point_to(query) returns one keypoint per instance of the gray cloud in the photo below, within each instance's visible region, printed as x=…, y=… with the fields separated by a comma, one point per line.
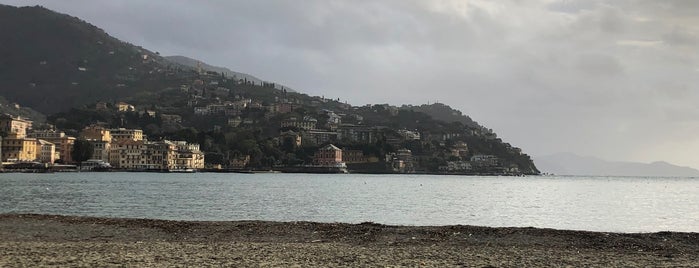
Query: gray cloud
x=616, y=79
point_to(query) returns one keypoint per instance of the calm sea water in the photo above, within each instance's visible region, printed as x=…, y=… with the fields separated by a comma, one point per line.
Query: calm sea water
x=580, y=203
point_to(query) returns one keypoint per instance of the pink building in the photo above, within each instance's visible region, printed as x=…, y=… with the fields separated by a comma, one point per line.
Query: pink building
x=329, y=155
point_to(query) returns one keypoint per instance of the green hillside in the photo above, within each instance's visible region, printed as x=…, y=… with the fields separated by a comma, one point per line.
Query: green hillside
x=76, y=73
x=51, y=61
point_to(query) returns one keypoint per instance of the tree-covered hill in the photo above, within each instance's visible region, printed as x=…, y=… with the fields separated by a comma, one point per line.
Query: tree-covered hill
x=51, y=61
x=196, y=64
x=76, y=73
x=444, y=113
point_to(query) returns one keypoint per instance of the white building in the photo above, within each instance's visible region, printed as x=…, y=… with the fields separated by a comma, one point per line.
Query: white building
x=47, y=152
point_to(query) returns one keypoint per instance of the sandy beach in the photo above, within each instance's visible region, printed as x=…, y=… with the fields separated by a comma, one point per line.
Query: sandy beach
x=63, y=241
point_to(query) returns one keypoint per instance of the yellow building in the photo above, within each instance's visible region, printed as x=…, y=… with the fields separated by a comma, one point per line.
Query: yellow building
x=12, y=125
x=128, y=154
x=64, y=144
x=162, y=155
x=122, y=134
x=189, y=160
x=124, y=107
x=100, y=138
x=96, y=133
x=188, y=156
x=15, y=148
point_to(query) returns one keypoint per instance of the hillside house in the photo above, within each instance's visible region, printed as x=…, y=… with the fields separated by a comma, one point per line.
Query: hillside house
x=124, y=107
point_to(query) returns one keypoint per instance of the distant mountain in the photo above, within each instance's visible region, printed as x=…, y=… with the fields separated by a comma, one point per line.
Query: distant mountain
x=571, y=164
x=52, y=62
x=194, y=64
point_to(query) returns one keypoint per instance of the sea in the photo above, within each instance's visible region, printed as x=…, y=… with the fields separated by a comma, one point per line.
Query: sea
x=607, y=204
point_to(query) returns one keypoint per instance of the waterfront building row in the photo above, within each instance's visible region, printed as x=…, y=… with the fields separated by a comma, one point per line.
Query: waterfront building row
x=122, y=148
x=155, y=155
x=129, y=149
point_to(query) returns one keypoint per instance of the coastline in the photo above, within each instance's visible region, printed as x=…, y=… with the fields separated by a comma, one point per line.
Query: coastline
x=254, y=171
x=51, y=240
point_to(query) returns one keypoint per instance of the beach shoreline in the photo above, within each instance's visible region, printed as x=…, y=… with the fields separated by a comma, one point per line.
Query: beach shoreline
x=52, y=240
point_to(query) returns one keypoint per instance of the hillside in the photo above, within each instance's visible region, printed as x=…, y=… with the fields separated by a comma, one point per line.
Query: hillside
x=52, y=62
x=195, y=64
x=445, y=113
x=571, y=164
x=76, y=73
x=15, y=109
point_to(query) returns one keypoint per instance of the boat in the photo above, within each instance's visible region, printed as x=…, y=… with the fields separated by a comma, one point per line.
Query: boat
x=184, y=170
x=95, y=165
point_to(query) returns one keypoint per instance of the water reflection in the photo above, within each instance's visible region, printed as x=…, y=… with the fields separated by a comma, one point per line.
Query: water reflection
x=583, y=203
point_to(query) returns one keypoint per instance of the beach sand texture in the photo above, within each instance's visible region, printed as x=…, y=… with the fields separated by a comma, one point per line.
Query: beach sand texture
x=64, y=241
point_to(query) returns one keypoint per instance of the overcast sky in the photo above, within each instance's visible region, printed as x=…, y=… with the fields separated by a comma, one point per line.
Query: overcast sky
x=614, y=79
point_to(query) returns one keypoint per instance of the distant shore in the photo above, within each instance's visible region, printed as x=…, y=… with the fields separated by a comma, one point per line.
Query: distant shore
x=46, y=240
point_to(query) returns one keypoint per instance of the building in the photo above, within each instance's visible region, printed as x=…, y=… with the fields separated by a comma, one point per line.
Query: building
x=353, y=156
x=183, y=145
x=460, y=149
x=128, y=154
x=186, y=156
x=122, y=134
x=161, y=155
x=64, y=144
x=12, y=125
x=96, y=133
x=409, y=135
x=187, y=159
x=328, y=155
x=450, y=135
x=100, y=138
x=255, y=105
x=405, y=155
x=333, y=119
x=318, y=137
x=456, y=166
x=100, y=150
x=284, y=107
x=47, y=152
x=124, y=107
x=401, y=161
x=481, y=160
x=148, y=112
x=15, y=148
x=307, y=123
x=357, y=134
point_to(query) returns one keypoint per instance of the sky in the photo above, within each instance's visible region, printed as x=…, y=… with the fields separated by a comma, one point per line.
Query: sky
x=616, y=79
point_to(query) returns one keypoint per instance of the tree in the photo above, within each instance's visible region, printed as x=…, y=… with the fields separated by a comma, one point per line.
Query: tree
x=82, y=150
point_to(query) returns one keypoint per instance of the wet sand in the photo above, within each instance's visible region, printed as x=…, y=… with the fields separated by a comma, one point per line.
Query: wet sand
x=62, y=241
